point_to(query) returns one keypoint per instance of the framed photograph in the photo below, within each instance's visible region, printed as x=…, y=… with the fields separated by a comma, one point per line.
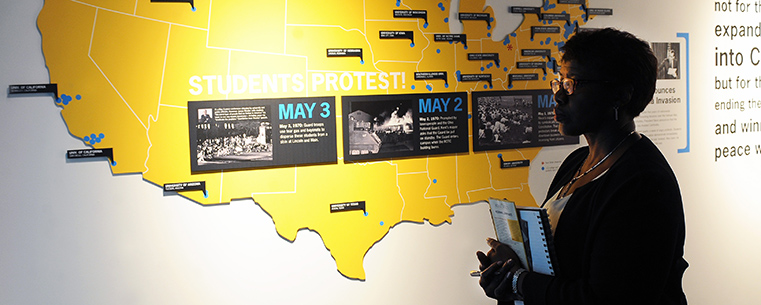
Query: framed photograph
x=669, y=58
x=261, y=133
x=515, y=119
x=390, y=126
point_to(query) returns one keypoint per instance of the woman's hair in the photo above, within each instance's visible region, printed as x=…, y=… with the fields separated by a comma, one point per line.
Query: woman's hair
x=618, y=56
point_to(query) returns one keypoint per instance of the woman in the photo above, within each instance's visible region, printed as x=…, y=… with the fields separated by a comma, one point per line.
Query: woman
x=615, y=207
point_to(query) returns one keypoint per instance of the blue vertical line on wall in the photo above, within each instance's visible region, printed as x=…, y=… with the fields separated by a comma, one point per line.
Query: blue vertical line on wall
x=686, y=37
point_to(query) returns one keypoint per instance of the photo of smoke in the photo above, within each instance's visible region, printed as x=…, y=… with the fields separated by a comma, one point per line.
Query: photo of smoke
x=667, y=54
x=504, y=120
x=381, y=127
x=229, y=135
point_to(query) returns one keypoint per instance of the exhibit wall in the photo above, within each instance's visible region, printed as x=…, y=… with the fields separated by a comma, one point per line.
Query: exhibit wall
x=360, y=163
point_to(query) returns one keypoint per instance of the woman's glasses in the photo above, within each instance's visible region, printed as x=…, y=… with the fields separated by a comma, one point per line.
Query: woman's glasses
x=569, y=84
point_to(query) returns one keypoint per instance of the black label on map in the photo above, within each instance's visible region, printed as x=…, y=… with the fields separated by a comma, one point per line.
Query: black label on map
x=451, y=37
x=484, y=56
x=476, y=78
x=476, y=16
x=600, y=11
x=33, y=89
x=347, y=206
x=411, y=14
x=571, y=1
x=233, y=134
x=536, y=52
x=579, y=29
x=565, y=17
x=176, y=1
x=432, y=75
x=544, y=30
x=513, y=164
x=522, y=77
x=397, y=35
x=515, y=119
x=90, y=153
x=525, y=10
x=185, y=186
x=532, y=65
x=351, y=52
x=392, y=126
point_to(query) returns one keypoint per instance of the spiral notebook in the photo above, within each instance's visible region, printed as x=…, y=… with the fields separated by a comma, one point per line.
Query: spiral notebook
x=537, y=236
x=527, y=231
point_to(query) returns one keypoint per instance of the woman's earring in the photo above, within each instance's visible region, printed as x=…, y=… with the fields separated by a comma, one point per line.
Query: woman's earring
x=615, y=111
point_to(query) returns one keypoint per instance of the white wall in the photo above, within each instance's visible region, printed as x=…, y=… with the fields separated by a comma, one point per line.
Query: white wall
x=72, y=233
x=721, y=202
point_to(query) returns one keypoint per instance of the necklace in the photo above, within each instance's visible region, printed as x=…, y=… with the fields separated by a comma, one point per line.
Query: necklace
x=578, y=176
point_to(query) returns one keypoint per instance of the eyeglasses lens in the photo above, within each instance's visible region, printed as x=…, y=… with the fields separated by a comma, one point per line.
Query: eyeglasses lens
x=567, y=85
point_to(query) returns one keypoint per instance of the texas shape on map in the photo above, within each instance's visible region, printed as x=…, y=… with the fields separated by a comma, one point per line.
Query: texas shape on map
x=125, y=70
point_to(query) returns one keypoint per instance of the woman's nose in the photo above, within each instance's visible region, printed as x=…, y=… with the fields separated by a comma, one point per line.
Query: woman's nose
x=561, y=97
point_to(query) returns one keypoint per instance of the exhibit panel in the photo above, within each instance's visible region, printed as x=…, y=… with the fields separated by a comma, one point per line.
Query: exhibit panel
x=337, y=153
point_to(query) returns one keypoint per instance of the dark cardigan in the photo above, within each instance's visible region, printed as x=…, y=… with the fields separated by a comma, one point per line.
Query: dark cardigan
x=620, y=238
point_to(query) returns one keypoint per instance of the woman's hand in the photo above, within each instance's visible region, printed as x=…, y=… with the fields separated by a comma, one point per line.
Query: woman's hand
x=496, y=276
x=499, y=253
x=497, y=280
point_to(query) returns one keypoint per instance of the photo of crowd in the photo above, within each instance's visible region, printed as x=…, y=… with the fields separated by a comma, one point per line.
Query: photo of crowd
x=233, y=141
x=504, y=120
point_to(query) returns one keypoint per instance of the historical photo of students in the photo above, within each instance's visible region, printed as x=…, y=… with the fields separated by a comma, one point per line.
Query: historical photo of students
x=233, y=135
x=504, y=120
x=667, y=54
x=381, y=127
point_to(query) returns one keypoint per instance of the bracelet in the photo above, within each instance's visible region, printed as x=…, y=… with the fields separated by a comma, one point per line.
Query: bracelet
x=515, y=280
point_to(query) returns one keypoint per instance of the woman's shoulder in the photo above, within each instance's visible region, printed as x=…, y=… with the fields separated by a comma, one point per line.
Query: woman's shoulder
x=645, y=155
x=644, y=163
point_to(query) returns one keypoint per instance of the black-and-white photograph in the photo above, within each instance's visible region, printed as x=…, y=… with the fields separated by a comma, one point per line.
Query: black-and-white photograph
x=258, y=133
x=233, y=135
x=204, y=115
x=381, y=127
x=668, y=57
x=504, y=119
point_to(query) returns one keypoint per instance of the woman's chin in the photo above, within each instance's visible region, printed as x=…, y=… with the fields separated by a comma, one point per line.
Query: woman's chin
x=565, y=130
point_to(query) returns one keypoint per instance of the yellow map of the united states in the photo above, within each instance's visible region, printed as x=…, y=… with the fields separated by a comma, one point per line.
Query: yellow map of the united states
x=127, y=69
